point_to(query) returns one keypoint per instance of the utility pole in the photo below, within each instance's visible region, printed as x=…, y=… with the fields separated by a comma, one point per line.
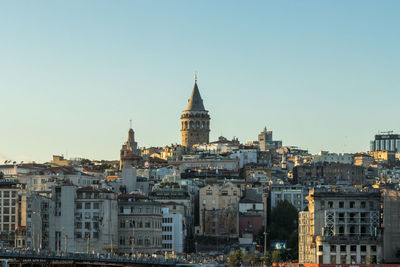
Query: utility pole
x=265, y=223
x=133, y=246
x=88, y=244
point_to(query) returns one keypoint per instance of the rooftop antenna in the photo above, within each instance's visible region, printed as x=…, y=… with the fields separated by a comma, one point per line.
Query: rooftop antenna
x=130, y=124
x=195, y=77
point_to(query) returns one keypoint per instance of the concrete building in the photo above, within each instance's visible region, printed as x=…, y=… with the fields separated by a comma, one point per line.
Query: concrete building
x=172, y=231
x=265, y=141
x=383, y=156
x=251, y=214
x=245, y=156
x=195, y=121
x=325, y=156
x=219, y=210
x=72, y=220
x=140, y=224
x=328, y=173
x=388, y=141
x=342, y=226
x=391, y=223
x=363, y=159
x=295, y=194
x=12, y=214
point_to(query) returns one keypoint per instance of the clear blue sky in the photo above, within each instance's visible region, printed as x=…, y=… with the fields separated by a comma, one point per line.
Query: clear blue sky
x=323, y=75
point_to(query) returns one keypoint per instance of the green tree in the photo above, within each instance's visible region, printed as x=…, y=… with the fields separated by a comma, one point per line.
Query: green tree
x=86, y=162
x=246, y=258
x=235, y=258
x=276, y=256
x=267, y=259
x=283, y=221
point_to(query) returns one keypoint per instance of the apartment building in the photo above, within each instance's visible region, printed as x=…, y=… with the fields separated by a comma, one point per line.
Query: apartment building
x=140, y=224
x=219, y=214
x=172, y=231
x=342, y=226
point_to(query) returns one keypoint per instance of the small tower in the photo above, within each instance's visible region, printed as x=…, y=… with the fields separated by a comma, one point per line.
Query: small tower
x=129, y=154
x=195, y=120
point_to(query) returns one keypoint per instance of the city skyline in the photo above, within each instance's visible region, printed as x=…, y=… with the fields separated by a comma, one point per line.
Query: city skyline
x=74, y=75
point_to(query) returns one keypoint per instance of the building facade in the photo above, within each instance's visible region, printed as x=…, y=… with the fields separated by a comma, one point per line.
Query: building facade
x=342, y=226
x=219, y=214
x=389, y=141
x=172, y=231
x=140, y=224
x=195, y=121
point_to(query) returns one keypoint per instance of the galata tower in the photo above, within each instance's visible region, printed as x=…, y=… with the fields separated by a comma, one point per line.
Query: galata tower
x=195, y=120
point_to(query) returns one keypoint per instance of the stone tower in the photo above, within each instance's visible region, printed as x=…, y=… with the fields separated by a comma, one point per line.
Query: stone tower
x=195, y=120
x=129, y=154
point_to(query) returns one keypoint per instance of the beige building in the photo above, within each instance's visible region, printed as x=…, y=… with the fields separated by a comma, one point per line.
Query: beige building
x=385, y=156
x=363, y=159
x=195, y=121
x=342, y=226
x=219, y=214
x=140, y=224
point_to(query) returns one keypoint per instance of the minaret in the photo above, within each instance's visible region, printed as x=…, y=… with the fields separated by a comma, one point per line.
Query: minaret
x=195, y=120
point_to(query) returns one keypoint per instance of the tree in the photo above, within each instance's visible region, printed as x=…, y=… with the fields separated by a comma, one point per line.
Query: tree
x=267, y=259
x=276, y=256
x=284, y=221
x=235, y=258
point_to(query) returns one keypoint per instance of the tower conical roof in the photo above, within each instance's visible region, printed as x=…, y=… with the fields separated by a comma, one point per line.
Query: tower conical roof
x=195, y=101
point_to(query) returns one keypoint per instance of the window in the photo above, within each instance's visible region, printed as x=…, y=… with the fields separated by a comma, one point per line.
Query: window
x=204, y=202
x=224, y=193
x=333, y=249
x=87, y=225
x=342, y=248
x=363, y=248
x=352, y=204
x=213, y=201
x=96, y=205
x=371, y=205
x=320, y=248
x=87, y=206
x=373, y=248
x=353, y=248
x=209, y=192
x=341, y=205
x=363, y=205
x=78, y=206
x=330, y=205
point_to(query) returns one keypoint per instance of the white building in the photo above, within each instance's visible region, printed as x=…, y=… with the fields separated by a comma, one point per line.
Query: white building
x=72, y=220
x=245, y=156
x=295, y=194
x=325, y=156
x=172, y=231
